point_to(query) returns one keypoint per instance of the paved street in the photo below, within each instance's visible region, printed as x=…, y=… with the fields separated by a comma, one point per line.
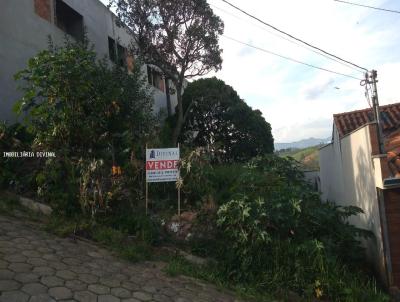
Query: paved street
x=37, y=266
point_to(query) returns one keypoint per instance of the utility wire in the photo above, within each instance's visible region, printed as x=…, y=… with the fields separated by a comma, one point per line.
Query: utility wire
x=291, y=36
x=289, y=40
x=367, y=6
x=290, y=59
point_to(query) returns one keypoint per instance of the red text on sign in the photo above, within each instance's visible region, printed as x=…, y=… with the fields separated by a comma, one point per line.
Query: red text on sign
x=162, y=165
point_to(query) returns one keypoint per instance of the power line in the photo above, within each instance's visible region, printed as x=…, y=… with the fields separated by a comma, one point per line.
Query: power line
x=289, y=40
x=367, y=6
x=290, y=59
x=291, y=36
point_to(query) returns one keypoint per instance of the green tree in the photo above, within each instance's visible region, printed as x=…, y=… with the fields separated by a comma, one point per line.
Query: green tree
x=93, y=116
x=179, y=37
x=218, y=119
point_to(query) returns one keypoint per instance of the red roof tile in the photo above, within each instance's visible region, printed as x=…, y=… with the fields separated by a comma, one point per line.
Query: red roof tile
x=349, y=121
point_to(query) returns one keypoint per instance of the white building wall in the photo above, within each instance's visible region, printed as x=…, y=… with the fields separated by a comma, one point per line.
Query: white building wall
x=348, y=179
x=23, y=34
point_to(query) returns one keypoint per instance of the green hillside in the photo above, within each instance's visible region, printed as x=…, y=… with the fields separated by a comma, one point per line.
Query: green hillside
x=309, y=157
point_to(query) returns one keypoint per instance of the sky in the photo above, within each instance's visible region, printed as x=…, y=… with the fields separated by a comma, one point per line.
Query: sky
x=296, y=100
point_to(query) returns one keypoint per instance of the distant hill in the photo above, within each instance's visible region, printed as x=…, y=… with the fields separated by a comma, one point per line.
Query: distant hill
x=304, y=143
x=308, y=157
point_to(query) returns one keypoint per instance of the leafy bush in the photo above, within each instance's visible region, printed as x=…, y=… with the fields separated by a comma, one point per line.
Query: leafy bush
x=96, y=119
x=276, y=234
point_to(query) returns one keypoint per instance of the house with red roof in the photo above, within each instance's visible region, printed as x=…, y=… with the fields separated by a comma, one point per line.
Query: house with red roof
x=354, y=172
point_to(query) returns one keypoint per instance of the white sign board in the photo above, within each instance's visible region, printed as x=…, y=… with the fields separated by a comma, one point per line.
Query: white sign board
x=162, y=165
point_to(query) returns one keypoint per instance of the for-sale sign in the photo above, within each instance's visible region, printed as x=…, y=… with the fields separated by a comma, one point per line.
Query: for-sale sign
x=162, y=165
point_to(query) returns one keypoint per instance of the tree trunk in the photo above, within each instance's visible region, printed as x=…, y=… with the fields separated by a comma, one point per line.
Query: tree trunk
x=179, y=121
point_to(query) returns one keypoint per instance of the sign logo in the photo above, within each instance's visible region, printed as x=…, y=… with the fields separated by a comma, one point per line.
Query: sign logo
x=152, y=154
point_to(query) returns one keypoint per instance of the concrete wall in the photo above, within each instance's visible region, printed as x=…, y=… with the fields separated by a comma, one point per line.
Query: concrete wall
x=348, y=178
x=23, y=34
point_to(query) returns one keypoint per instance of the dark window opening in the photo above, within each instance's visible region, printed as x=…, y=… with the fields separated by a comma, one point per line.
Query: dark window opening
x=155, y=78
x=111, y=50
x=149, y=75
x=121, y=54
x=69, y=20
x=116, y=52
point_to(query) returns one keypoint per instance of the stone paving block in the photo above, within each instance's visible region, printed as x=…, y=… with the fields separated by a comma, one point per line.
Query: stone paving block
x=31, y=254
x=161, y=298
x=45, y=250
x=3, y=264
x=107, y=298
x=66, y=275
x=150, y=289
x=180, y=299
x=99, y=289
x=76, y=285
x=110, y=282
x=43, y=271
x=88, y=278
x=41, y=298
x=60, y=293
x=120, y=292
x=58, y=265
x=34, y=289
x=20, y=267
x=71, y=261
x=9, y=285
x=37, y=262
x=20, y=240
x=15, y=258
x=8, y=250
x=52, y=281
x=14, y=296
x=6, y=274
x=27, y=277
x=50, y=257
x=85, y=296
x=130, y=285
x=142, y=296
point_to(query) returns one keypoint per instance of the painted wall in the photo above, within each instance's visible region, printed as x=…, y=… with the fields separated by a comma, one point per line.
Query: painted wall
x=348, y=178
x=23, y=34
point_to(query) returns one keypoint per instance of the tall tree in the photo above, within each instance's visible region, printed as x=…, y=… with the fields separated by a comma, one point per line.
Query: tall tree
x=179, y=37
x=217, y=118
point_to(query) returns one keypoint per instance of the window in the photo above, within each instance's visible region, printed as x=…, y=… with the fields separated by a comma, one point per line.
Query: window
x=69, y=20
x=116, y=52
x=155, y=78
x=121, y=54
x=111, y=50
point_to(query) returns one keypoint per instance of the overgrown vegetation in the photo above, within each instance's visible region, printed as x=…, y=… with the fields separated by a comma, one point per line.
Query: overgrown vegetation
x=273, y=234
x=95, y=118
x=263, y=228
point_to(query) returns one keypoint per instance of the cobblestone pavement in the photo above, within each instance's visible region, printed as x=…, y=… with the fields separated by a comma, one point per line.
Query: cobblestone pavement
x=36, y=266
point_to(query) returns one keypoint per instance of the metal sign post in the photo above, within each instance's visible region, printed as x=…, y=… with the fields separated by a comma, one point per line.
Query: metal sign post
x=179, y=194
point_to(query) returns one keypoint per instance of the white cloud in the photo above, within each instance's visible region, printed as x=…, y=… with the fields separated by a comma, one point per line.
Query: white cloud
x=297, y=101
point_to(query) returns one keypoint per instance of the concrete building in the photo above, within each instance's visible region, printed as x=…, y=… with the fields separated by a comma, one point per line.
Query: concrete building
x=352, y=172
x=25, y=26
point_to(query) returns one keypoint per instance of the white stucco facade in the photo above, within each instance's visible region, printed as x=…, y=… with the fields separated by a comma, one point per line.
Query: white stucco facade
x=24, y=33
x=348, y=176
